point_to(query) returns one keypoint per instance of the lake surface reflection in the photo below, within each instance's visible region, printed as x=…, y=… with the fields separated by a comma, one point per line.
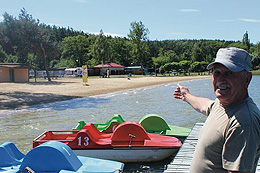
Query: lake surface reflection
x=22, y=126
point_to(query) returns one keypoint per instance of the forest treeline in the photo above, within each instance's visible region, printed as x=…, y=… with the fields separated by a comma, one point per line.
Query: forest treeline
x=26, y=40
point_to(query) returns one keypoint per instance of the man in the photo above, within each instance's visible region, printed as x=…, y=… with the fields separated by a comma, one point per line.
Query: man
x=230, y=138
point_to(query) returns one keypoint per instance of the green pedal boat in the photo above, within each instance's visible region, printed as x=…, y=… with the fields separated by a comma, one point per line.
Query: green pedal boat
x=152, y=123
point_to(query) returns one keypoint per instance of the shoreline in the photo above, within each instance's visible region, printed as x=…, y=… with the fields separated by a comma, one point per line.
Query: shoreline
x=23, y=95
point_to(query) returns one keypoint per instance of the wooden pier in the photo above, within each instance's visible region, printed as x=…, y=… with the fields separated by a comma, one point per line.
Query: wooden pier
x=182, y=161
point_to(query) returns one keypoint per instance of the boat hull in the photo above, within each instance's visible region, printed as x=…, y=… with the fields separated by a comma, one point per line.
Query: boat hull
x=129, y=155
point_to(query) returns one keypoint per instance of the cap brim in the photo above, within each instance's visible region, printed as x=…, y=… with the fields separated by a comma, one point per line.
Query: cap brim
x=210, y=66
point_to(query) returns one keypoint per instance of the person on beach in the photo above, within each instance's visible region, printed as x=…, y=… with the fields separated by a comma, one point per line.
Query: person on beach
x=108, y=73
x=230, y=138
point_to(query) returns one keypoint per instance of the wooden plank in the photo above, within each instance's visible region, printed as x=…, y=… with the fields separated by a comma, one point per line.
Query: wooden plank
x=182, y=161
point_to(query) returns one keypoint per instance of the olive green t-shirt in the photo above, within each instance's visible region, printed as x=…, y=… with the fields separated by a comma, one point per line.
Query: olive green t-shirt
x=229, y=140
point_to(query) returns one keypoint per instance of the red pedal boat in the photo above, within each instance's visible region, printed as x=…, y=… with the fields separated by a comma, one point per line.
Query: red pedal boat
x=128, y=143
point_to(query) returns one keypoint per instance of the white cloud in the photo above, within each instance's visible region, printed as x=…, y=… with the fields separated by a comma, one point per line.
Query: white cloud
x=188, y=10
x=249, y=20
x=1, y=18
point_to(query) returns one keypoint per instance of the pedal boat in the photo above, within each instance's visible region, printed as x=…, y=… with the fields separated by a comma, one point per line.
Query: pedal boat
x=128, y=143
x=52, y=157
x=152, y=123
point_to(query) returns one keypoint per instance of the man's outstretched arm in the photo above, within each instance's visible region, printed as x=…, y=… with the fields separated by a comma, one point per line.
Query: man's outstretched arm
x=200, y=104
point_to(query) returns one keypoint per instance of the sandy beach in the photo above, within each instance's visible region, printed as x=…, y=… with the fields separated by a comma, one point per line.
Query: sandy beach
x=22, y=95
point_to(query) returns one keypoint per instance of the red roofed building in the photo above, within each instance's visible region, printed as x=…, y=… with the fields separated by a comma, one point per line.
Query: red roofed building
x=114, y=69
x=110, y=65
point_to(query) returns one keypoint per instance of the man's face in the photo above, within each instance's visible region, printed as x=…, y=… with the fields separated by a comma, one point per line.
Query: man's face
x=229, y=87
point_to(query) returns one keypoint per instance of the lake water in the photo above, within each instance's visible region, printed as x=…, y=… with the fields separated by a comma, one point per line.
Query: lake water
x=22, y=126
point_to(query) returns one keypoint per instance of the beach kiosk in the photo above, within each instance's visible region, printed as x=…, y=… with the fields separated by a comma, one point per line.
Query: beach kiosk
x=14, y=72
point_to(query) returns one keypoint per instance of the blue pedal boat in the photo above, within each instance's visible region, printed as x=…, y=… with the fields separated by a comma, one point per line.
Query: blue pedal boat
x=52, y=157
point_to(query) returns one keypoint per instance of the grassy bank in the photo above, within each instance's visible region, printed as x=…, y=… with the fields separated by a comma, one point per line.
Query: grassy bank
x=256, y=72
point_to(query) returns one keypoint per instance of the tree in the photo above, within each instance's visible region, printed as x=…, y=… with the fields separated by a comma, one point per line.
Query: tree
x=25, y=36
x=172, y=56
x=35, y=37
x=162, y=70
x=160, y=61
x=11, y=38
x=100, y=48
x=198, y=66
x=139, y=35
x=196, y=53
x=32, y=60
x=257, y=49
x=76, y=48
x=186, y=55
x=65, y=62
x=120, y=51
x=168, y=67
x=255, y=61
x=246, y=41
x=238, y=45
x=184, y=65
x=3, y=54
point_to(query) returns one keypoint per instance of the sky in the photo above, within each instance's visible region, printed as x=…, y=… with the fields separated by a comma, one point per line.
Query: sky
x=225, y=20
